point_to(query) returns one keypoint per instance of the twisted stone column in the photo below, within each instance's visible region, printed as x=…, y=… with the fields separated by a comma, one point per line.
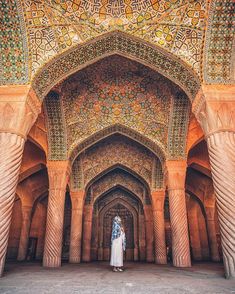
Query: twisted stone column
x=24, y=235
x=210, y=216
x=176, y=171
x=214, y=107
x=86, y=251
x=58, y=172
x=19, y=109
x=11, y=150
x=158, y=198
x=77, y=199
x=221, y=147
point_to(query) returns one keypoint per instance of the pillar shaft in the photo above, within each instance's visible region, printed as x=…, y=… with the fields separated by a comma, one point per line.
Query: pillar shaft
x=77, y=199
x=18, y=111
x=158, y=198
x=11, y=150
x=58, y=172
x=210, y=215
x=86, y=251
x=214, y=108
x=194, y=230
x=24, y=235
x=149, y=232
x=176, y=171
x=221, y=147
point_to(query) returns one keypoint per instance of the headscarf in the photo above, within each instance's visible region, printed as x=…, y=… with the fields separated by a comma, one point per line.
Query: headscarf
x=116, y=229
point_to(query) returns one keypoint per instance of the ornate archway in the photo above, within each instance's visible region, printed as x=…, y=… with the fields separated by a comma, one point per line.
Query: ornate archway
x=121, y=43
x=130, y=209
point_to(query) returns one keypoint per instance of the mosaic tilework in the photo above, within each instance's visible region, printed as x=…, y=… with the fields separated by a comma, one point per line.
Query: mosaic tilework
x=157, y=175
x=55, y=125
x=77, y=175
x=80, y=56
x=220, y=38
x=178, y=26
x=116, y=95
x=13, y=47
x=116, y=90
x=114, y=151
x=178, y=128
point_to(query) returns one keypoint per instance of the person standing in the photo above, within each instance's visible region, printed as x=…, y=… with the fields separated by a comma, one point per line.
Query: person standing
x=118, y=245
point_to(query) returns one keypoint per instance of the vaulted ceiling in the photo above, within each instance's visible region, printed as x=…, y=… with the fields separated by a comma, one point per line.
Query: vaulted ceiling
x=199, y=32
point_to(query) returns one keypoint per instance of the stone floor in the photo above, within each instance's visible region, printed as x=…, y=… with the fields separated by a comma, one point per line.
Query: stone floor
x=203, y=278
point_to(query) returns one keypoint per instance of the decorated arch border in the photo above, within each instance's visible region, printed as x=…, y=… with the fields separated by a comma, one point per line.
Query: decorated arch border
x=111, y=189
x=157, y=149
x=108, y=44
x=219, y=53
x=121, y=167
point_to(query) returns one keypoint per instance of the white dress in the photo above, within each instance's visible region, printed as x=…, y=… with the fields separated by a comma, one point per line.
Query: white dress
x=117, y=251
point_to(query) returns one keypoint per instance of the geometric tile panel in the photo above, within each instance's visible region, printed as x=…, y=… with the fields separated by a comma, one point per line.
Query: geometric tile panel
x=219, y=67
x=13, y=44
x=178, y=127
x=116, y=42
x=57, y=146
x=157, y=175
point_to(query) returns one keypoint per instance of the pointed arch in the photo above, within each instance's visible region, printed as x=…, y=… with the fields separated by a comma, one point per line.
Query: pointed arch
x=116, y=42
x=154, y=147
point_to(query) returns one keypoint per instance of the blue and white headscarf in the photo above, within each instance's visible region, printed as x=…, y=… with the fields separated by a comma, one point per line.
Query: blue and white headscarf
x=116, y=229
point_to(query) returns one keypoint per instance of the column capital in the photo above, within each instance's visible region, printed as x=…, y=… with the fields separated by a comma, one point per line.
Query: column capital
x=158, y=198
x=210, y=213
x=77, y=194
x=58, y=173
x=19, y=109
x=176, y=173
x=214, y=108
x=77, y=198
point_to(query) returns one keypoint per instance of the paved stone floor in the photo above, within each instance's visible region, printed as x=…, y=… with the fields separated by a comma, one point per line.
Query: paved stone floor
x=203, y=278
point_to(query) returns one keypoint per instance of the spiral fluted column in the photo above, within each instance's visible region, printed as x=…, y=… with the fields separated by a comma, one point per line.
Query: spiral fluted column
x=158, y=198
x=24, y=235
x=19, y=108
x=87, y=228
x=221, y=147
x=176, y=171
x=58, y=172
x=77, y=199
x=11, y=150
x=214, y=107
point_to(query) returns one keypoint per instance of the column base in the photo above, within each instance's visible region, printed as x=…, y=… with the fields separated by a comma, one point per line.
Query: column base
x=181, y=262
x=52, y=262
x=161, y=260
x=74, y=260
x=2, y=264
